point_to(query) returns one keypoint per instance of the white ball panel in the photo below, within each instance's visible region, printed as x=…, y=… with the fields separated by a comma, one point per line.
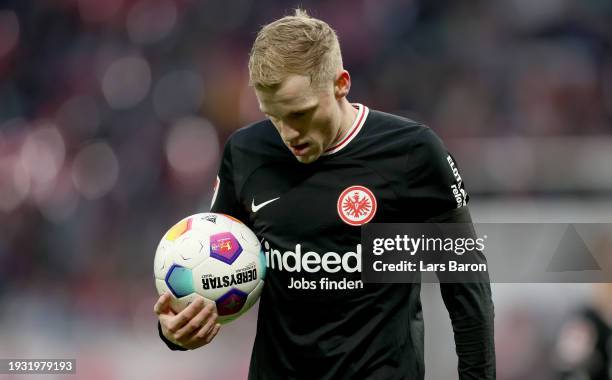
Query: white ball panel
x=178, y=304
x=245, y=262
x=162, y=258
x=191, y=249
x=222, y=223
x=206, y=220
x=246, y=237
x=219, y=276
x=161, y=286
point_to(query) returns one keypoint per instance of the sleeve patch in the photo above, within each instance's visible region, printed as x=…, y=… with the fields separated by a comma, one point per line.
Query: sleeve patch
x=457, y=188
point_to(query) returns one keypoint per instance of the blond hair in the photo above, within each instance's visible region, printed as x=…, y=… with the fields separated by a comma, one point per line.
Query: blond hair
x=297, y=44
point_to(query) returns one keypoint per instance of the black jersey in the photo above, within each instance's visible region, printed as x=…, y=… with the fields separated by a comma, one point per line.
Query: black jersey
x=317, y=319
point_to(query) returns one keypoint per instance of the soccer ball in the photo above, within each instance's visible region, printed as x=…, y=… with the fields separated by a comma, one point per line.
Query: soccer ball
x=213, y=256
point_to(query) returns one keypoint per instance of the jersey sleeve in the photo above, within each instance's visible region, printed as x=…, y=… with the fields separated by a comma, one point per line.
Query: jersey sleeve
x=432, y=184
x=470, y=308
x=225, y=197
x=437, y=193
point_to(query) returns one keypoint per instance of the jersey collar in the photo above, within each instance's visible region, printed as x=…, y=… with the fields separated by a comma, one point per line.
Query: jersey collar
x=362, y=114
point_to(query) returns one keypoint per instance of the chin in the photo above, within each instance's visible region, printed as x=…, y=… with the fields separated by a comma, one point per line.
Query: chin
x=307, y=159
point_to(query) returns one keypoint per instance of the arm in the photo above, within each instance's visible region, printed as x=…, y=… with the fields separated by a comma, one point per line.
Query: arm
x=470, y=308
x=434, y=180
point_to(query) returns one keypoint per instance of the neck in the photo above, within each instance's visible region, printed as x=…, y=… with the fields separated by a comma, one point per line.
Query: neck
x=348, y=113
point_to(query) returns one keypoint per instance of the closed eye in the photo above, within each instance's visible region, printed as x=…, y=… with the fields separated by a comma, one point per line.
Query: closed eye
x=296, y=115
x=301, y=113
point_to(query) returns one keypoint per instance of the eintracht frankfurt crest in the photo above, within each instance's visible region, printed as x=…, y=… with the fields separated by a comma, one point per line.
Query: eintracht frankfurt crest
x=356, y=205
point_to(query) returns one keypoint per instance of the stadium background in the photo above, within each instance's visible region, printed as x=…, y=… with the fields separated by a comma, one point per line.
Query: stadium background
x=113, y=114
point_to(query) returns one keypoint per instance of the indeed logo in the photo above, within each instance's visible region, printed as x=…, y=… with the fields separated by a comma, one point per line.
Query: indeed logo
x=312, y=262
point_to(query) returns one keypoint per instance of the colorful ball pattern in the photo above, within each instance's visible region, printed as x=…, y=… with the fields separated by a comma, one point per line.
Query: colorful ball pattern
x=213, y=256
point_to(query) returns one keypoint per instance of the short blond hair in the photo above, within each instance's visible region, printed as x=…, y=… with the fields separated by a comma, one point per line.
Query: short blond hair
x=297, y=44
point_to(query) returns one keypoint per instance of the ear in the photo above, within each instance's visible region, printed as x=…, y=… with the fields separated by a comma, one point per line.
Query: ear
x=342, y=84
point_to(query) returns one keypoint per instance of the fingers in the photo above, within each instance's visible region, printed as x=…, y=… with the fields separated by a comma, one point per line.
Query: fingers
x=181, y=319
x=162, y=304
x=206, y=329
x=213, y=334
x=208, y=325
x=193, y=327
x=206, y=334
x=205, y=318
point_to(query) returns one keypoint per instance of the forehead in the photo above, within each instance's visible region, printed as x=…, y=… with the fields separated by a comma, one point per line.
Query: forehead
x=295, y=92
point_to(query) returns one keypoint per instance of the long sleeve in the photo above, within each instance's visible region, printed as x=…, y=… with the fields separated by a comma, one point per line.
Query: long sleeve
x=471, y=310
x=435, y=192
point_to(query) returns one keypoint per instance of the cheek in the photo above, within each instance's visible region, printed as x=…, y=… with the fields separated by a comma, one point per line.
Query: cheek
x=321, y=128
x=315, y=131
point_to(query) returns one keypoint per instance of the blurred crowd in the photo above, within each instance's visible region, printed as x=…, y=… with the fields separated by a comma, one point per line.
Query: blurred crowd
x=113, y=114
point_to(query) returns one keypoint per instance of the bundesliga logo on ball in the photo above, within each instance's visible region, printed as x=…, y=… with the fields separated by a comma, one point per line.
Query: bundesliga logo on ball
x=213, y=256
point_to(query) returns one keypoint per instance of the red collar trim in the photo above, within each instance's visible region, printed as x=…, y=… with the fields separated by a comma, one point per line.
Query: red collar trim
x=362, y=114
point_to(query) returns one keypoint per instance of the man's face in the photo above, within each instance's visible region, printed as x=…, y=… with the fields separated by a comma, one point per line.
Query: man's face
x=306, y=118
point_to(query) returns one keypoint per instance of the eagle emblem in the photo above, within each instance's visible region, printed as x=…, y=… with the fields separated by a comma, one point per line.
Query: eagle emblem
x=356, y=205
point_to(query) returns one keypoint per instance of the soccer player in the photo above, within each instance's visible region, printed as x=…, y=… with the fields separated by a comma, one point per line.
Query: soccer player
x=305, y=180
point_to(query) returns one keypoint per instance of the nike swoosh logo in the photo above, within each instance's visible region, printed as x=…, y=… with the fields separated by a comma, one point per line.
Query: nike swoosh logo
x=256, y=208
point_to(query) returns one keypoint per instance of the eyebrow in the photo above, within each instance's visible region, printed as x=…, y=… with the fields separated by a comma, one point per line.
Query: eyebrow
x=299, y=110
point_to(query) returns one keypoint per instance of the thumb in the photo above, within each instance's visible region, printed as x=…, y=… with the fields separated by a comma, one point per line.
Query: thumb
x=162, y=306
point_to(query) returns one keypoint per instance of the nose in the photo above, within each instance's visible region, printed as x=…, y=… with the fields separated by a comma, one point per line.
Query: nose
x=288, y=133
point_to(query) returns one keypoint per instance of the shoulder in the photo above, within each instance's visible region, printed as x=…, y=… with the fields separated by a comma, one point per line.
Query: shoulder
x=401, y=135
x=261, y=132
x=416, y=149
x=259, y=139
x=252, y=147
x=382, y=122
